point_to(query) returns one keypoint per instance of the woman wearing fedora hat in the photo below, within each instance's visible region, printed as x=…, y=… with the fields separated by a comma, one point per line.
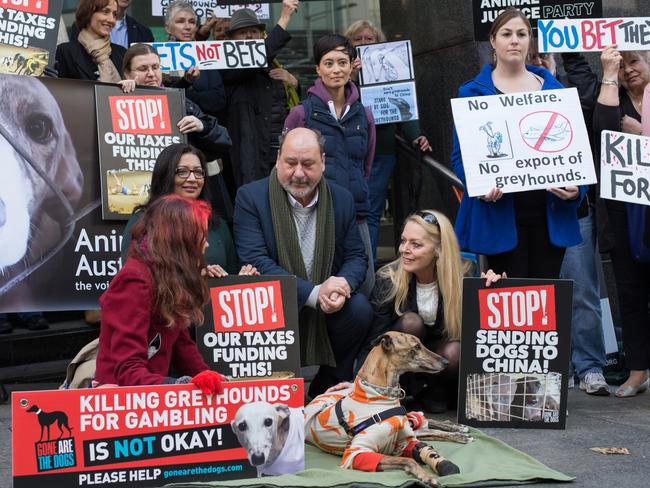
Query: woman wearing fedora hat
x=255, y=119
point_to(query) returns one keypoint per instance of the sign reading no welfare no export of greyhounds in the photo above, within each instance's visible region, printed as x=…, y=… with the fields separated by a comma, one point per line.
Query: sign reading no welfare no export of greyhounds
x=528, y=141
x=568, y=35
x=625, y=167
x=181, y=56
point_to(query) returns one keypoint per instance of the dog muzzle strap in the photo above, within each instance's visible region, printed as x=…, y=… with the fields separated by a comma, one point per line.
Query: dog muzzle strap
x=372, y=420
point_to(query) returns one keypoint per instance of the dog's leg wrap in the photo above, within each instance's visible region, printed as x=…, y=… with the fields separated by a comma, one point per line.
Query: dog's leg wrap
x=428, y=455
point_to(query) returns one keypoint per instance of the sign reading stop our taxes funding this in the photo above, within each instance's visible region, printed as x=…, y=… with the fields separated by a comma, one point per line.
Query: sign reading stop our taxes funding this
x=575, y=35
x=181, y=56
x=625, y=167
x=523, y=141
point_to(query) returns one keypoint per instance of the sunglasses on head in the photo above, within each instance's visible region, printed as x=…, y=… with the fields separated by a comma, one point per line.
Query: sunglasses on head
x=428, y=217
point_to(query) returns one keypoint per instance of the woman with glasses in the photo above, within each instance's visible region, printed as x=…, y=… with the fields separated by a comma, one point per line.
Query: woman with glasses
x=419, y=293
x=155, y=297
x=523, y=233
x=181, y=169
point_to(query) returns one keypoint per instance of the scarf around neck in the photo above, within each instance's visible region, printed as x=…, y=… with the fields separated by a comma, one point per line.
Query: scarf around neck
x=315, y=347
x=100, y=51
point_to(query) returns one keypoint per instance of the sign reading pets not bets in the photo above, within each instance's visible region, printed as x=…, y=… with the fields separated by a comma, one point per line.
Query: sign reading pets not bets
x=132, y=130
x=575, y=35
x=485, y=11
x=28, y=35
x=144, y=435
x=181, y=56
x=523, y=141
x=515, y=348
x=251, y=326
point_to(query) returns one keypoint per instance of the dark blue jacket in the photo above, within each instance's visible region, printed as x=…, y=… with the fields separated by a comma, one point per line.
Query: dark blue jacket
x=349, y=142
x=489, y=227
x=256, y=242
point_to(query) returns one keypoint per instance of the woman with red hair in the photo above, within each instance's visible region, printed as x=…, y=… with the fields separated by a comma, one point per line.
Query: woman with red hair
x=152, y=301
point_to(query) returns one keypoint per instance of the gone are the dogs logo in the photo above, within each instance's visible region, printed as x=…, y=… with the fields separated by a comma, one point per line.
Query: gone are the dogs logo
x=525, y=308
x=32, y=6
x=52, y=453
x=140, y=114
x=251, y=306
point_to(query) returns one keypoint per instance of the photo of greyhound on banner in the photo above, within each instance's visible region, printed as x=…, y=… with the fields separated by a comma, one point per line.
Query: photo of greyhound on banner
x=57, y=253
x=133, y=129
x=515, y=347
x=251, y=327
x=154, y=435
x=28, y=35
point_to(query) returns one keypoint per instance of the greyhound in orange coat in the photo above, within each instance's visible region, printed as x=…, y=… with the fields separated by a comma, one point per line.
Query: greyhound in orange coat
x=366, y=424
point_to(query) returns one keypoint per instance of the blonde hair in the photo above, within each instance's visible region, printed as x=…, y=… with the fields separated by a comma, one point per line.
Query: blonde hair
x=359, y=25
x=448, y=271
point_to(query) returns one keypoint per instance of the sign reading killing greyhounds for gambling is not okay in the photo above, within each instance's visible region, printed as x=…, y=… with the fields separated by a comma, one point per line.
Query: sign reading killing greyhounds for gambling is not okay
x=568, y=35
x=523, y=141
x=515, y=345
x=155, y=435
x=251, y=327
x=625, y=167
x=181, y=56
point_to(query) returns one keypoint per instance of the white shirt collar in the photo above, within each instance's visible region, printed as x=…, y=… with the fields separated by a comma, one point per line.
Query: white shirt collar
x=296, y=204
x=330, y=104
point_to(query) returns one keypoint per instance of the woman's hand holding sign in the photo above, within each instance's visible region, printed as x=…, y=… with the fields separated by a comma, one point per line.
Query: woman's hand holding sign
x=566, y=193
x=492, y=196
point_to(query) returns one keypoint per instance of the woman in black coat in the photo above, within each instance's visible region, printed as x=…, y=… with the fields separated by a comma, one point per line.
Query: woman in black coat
x=92, y=56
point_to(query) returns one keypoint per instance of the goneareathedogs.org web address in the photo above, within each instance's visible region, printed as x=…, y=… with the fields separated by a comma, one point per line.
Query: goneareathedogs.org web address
x=201, y=470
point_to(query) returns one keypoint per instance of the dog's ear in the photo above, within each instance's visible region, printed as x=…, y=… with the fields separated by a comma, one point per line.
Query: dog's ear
x=283, y=416
x=385, y=340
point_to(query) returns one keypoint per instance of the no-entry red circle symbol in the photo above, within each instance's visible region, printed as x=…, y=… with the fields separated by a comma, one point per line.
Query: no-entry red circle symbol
x=546, y=131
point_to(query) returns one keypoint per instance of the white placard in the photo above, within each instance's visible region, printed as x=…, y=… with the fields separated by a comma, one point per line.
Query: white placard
x=625, y=167
x=386, y=62
x=211, y=8
x=391, y=103
x=181, y=56
x=568, y=35
x=523, y=141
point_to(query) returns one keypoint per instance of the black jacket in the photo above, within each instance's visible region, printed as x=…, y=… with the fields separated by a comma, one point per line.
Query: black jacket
x=73, y=61
x=251, y=109
x=135, y=31
x=214, y=141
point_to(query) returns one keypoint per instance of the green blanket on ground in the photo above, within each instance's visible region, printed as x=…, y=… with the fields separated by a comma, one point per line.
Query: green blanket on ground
x=485, y=462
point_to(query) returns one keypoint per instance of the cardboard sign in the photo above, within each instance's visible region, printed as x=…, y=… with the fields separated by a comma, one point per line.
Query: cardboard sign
x=387, y=81
x=523, y=141
x=28, y=35
x=212, y=8
x=251, y=327
x=181, y=56
x=60, y=254
x=571, y=35
x=132, y=129
x=485, y=11
x=515, y=345
x=625, y=167
x=152, y=435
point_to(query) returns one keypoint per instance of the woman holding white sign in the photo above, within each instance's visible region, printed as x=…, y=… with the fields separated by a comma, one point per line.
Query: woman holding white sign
x=524, y=233
x=618, y=108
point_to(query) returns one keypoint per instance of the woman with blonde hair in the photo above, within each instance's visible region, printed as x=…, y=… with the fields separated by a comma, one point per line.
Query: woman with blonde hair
x=420, y=293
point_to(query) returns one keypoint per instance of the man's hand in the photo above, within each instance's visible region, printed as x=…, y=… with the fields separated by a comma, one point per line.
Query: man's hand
x=335, y=284
x=332, y=303
x=190, y=123
x=192, y=74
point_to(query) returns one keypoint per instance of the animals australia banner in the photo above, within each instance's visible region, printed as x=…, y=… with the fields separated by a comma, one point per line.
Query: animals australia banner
x=56, y=251
x=387, y=80
x=156, y=435
x=523, y=141
x=515, y=346
x=251, y=327
x=28, y=35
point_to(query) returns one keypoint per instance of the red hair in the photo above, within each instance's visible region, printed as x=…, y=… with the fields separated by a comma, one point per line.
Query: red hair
x=171, y=235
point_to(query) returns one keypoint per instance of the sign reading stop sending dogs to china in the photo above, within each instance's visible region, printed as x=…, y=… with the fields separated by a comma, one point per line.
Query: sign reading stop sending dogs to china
x=523, y=141
x=251, y=327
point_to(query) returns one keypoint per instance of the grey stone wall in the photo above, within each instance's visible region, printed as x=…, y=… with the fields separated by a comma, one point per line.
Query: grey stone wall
x=446, y=55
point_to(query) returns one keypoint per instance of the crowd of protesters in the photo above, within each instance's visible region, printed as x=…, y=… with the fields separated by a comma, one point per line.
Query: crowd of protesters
x=310, y=177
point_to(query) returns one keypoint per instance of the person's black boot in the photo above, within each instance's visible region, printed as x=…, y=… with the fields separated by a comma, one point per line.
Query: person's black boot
x=6, y=327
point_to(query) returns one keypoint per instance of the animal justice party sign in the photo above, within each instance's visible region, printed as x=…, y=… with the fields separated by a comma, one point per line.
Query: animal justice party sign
x=515, y=347
x=251, y=327
x=523, y=141
x=155, y=435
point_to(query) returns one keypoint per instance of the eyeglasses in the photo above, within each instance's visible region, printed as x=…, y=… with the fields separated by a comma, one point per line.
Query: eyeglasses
x=145, y=69
x=184, y=173
x=428, y=217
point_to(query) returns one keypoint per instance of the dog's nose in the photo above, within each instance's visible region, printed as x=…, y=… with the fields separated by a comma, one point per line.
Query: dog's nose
x=3, y=213
x=444, y=362
x=257, y=459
